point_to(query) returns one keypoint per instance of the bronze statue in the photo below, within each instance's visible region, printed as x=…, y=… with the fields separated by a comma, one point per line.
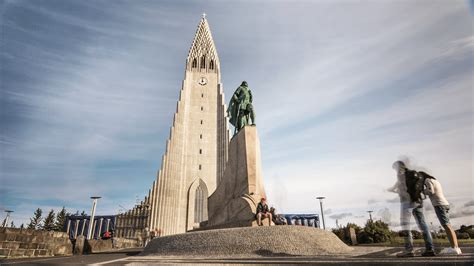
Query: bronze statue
x=240, y=109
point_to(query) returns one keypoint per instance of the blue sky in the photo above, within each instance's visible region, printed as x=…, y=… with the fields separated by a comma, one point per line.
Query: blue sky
x=341, y=90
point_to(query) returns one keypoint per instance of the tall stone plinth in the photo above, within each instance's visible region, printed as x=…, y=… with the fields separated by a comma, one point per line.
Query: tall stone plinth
x=235, y=200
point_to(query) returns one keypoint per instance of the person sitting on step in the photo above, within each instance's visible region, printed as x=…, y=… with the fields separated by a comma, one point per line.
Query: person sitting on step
x=263, y=211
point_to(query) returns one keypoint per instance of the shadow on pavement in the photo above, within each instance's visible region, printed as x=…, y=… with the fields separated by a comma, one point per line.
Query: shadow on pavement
x=269, y=253
x=126, y=252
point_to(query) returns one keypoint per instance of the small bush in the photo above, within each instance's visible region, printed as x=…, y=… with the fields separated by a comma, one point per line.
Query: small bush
x=463, y=235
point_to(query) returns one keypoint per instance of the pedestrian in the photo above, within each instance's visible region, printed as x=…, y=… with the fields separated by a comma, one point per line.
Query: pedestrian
x=410, y=204
x=434, y=190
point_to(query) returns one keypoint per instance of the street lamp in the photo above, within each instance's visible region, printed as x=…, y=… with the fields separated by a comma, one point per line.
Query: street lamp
x=91, y=220
x=7, y=218
x=370, y=215
x=322, y=212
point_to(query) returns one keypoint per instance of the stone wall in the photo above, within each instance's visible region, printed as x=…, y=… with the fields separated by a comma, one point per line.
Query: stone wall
x=15, y=242
x=95, y=246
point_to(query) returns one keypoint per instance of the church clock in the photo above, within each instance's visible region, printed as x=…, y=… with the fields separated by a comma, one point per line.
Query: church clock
x=202, y=81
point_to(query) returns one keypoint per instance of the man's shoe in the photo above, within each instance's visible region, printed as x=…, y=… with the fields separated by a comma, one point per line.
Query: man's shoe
x=406, y=254
x=428, y=253
x=449, y=251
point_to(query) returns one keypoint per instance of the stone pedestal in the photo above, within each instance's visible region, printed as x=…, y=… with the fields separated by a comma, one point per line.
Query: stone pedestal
x=235, y=200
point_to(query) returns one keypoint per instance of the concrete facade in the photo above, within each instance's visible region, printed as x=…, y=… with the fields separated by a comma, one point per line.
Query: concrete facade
x=132, y=223
x=196, y=151
x=235, y=200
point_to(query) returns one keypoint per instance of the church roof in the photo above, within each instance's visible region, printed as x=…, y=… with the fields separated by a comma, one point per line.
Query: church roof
x=203, y=44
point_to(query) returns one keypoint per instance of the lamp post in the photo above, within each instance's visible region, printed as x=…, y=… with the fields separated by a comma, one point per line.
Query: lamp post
x=370, y=215
x=91, y=220
x=322, y=212
x=7, y=218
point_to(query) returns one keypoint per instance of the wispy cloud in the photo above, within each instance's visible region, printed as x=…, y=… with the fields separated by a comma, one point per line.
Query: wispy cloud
x=340, y=215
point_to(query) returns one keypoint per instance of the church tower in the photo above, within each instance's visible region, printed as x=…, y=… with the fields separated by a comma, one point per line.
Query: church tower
x=196, y=151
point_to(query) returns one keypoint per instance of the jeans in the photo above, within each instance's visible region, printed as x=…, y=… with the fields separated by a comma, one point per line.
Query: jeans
x=417, y=212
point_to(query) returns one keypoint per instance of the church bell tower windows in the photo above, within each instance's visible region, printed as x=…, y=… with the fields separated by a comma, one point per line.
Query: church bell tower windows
x=211, y=64
x=203, y=62
x=194, y=64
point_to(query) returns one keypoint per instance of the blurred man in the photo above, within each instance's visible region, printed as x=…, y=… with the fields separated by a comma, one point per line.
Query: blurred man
x=410, y=205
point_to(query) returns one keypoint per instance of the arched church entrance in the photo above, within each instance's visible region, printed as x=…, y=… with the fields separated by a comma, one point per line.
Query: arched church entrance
x=197, y=204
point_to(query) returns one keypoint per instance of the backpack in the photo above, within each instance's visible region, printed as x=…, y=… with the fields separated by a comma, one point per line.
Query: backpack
x=414, y=185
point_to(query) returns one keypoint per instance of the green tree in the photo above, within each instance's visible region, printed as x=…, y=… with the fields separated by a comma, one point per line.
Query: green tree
x=466, y=229
x=22, y=226
x=60, y=219
x=12, y=225
x=375, y=232
x=83, y=213
x=35, y=221
x=49, y=221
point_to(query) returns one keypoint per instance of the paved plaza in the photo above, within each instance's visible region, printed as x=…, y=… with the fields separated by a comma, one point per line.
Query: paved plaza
x=362, y=256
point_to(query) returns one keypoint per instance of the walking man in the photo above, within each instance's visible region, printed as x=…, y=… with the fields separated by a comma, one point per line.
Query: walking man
x=410, y=205
x=434, y=191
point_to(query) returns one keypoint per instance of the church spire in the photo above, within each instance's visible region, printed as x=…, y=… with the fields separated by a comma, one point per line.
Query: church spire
x=203, y=54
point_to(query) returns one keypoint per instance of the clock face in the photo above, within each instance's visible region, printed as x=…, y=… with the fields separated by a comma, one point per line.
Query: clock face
x=202, y=81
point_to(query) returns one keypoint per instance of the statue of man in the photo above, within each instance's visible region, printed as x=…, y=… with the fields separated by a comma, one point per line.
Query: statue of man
x=240, y=109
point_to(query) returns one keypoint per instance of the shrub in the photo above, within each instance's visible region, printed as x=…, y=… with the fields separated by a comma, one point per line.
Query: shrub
x=463, y=235
x=378, y=231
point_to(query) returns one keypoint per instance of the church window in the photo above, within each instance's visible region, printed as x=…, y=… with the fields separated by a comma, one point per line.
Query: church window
x=200, y=167
x=200, y=151
x=203, y=62
x=211, y=64
x=202, y=95
x=200, y=136
x=202, y=108
x=194, y=65
x=201, y=122
x=200, y=203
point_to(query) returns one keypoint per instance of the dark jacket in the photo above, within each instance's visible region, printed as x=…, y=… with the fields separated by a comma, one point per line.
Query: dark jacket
x=262, y=208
